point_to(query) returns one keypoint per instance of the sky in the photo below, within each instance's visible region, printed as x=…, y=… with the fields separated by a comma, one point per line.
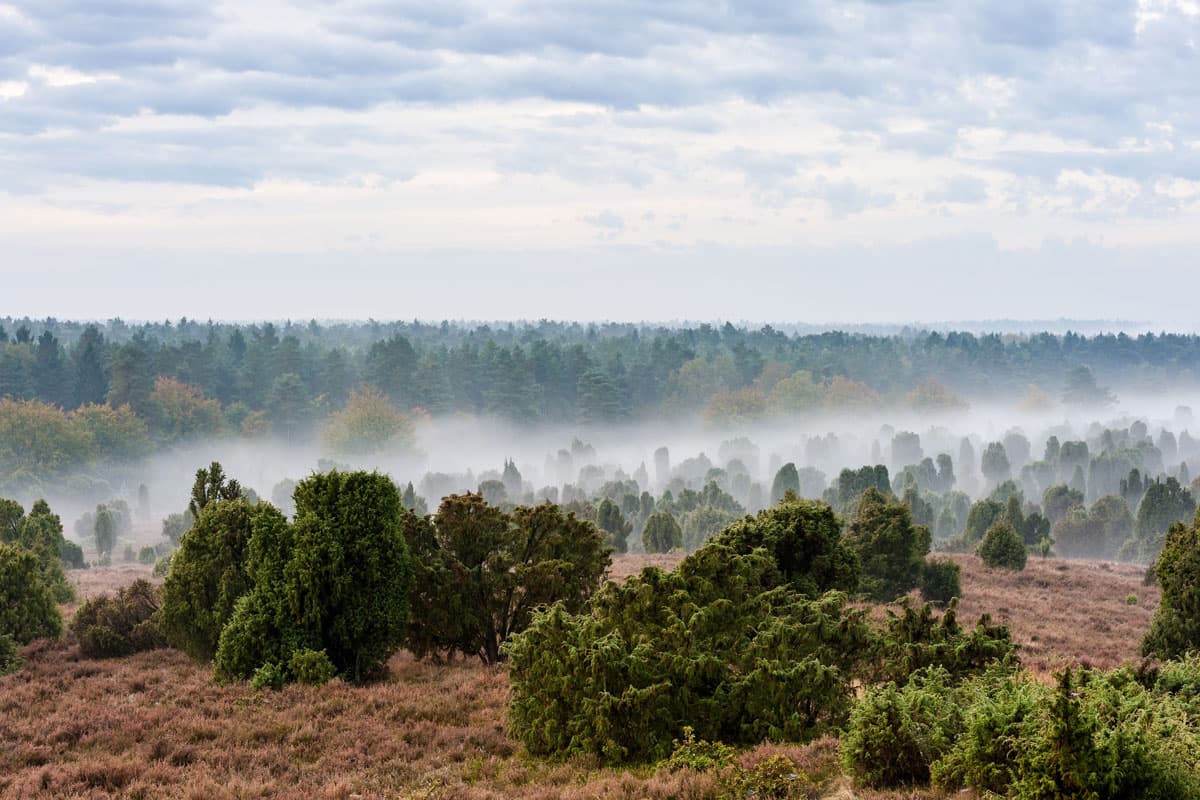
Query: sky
x=831, y=160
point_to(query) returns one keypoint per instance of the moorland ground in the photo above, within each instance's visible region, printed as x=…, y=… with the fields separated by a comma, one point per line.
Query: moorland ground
x=156, y=725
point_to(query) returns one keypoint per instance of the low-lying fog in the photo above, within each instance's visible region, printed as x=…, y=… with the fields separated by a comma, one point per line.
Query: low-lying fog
x=456, y=454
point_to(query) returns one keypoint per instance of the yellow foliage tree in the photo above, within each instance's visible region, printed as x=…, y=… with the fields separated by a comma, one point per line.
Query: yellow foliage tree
x=367, y=424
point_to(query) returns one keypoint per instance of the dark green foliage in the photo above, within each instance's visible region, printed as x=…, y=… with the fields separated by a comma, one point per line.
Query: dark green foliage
x=1176, y=626
x=72, y=555
x=896, y=733
x=27, y=607
x=208, y=574
x=804, y=538
x=335, y=580
x=852, y=483
x=147, y=556
x=311, y=667
x=10, y=655
x=717, y=644
x=479, y=573
x=40, y=533
x=610, y=520
x=982, y=516
x=661, y=533
x=1002, y=547
x=940, y=580
x=891, y=550
x=914, y=639
x=110, y=626
x=211, y=485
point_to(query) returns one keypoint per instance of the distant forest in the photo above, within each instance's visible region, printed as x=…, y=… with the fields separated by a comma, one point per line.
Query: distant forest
x=292, y=375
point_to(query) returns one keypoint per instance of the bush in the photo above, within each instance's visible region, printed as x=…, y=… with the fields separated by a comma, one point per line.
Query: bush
x=1002, y=547
x=914, y=639
x=940, y=580
x=804, y=539
x=147, y=555
x=478, y=572
x=208, y=574
x=896, y=733
x=1001, y=716
x=661, y=533
x=335, y=581
x=72, y=555
x=10, y=655
x=27, y=606
x=891, y=550
x=110, y=626
x=268, y=676
x=311, y=667
x=721, y=644
x=1175, y=629
x=774, y=778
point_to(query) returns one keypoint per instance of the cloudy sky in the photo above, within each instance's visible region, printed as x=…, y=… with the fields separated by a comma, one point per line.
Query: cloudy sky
x=757, y=160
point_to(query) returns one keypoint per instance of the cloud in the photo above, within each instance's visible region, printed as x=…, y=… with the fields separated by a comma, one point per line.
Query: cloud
x=825, y=120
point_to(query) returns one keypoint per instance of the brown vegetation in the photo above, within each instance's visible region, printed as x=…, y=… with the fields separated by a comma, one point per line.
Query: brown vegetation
x=156, y=725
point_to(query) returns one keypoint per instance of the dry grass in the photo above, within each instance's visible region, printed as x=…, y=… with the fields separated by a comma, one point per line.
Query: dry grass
x=155, y=725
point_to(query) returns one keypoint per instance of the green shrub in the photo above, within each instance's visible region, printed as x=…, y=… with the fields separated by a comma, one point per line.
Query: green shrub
x=700, y=756
x=336, y=580
x=109, y=626
x=941, y=580
x=27, y=605
x=71, y=555
x=1002, y=547
x=162, y=567
x=774, y=778
x=1001, y=716
x=10, y=655
x=130, y=555
x=661, y=533
x=717, y=644
x=804, y=539
x=914, y=639
x=208, y=574
x=311, y=667
x=896, y=733
x=268, y=676
x=147, y=555
x=1175, y=629
x=891, y=549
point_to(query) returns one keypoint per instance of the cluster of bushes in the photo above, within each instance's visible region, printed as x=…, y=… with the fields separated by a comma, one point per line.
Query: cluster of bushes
x=356, y=574
x=256, y=593
x=750, y=638
x=1094, y=735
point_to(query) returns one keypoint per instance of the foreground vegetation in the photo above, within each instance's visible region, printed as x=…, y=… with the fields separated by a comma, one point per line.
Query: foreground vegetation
x=782, y=627
x=155, y=724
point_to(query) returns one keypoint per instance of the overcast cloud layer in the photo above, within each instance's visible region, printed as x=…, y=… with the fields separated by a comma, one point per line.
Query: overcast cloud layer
x=574, y=158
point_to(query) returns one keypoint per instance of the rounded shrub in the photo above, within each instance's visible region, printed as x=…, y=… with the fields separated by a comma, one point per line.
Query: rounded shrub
x=27, y=607
x=941, y=580
x=1002, y=547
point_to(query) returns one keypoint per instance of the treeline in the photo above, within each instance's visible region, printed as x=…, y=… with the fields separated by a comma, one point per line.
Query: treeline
x=293, y=374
